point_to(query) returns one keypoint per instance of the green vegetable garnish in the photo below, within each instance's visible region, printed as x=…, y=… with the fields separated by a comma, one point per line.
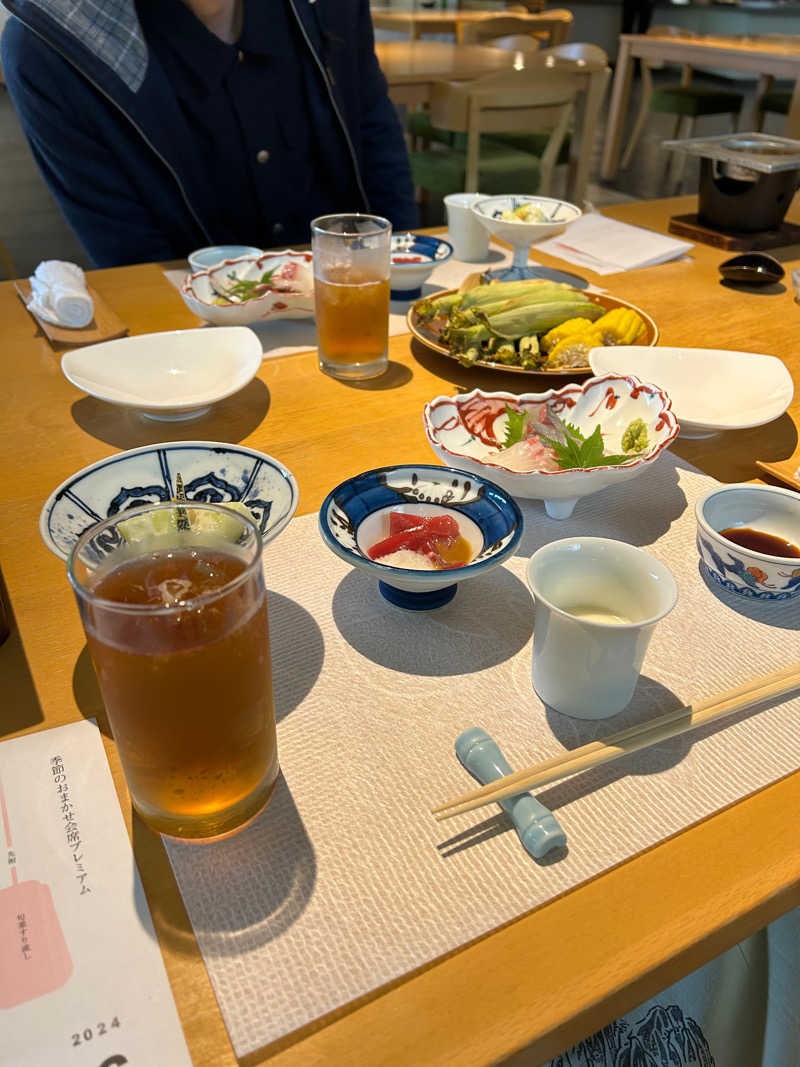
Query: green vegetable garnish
x=578, y=451
x=247, y=288
x=515, y=427
x=635, y=437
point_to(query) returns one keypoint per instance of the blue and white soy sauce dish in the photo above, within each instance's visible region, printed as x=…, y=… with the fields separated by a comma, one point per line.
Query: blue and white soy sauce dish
x=413, y=258
x=740, y=568
x=354, y=516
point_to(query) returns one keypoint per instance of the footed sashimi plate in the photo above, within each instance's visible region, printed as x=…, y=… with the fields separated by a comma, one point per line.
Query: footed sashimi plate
x=468, y=431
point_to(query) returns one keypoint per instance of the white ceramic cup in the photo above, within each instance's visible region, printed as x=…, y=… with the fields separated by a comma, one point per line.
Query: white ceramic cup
x=470, y=239
x=597, y=604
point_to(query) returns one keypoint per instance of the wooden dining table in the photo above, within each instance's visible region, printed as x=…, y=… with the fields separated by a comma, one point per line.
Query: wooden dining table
x=775, y=56
x=423, y=23
x=528, y=990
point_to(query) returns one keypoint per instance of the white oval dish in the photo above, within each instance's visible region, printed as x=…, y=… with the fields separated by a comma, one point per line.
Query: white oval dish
x=711, y=389
x=167, y=376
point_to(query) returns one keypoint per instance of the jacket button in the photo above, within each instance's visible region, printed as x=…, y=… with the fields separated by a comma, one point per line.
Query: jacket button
x=240, y=56
x=262, y=156
x=277, y=229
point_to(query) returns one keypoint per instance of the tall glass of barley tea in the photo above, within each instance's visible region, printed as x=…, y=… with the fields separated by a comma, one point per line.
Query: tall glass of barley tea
x=351, y=294
x=173, y=603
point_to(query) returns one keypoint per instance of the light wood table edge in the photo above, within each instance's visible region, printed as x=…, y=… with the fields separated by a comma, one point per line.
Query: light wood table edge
x=493, y=1006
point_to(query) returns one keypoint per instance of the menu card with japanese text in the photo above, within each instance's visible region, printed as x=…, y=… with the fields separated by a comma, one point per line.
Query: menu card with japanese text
x=82, y=980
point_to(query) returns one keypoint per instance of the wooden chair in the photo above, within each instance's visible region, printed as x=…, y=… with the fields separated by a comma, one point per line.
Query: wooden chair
x=505, y=102
x=549, y=28
x=686, y=101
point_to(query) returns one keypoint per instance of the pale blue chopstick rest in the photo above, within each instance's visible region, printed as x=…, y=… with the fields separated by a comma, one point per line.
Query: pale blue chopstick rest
x=537, y=827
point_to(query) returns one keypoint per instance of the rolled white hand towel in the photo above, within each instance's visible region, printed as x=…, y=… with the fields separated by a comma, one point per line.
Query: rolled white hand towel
x=59, y=294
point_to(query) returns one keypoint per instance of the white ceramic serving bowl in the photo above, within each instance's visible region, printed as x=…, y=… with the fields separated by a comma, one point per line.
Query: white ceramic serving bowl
x=710, y=389
x=741, y=570
x=211, y=255
x=200, y=297
x=354, y=517
x=167, y=376
x=455, y=426
x=413, y=258
x=597, y=604
x=560, y=213
x=212, y=472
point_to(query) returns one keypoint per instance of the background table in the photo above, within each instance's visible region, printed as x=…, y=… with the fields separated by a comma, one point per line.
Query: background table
x=571, y=966
x=419, y=23
x=759, y=55
x=412, y=68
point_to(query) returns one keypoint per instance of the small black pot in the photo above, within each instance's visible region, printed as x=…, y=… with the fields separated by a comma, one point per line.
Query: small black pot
x=742, y=200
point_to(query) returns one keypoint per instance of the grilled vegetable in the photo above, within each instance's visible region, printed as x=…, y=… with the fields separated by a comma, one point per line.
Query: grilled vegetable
x=565, y=329
x=574, y=349
x=536, y=318
x=532, y=290
x=621, y=326
x=534, y=324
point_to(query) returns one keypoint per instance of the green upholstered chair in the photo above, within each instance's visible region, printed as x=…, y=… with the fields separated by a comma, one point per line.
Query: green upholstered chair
x=775, y=100
x=468, y=117
x=686, y=101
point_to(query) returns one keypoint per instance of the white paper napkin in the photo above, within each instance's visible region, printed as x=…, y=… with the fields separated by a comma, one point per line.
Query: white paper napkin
x=59, y=294
x=607, y=246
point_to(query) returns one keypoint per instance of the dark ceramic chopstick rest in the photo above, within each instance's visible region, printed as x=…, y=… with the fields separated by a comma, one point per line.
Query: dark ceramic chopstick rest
x=752, y=268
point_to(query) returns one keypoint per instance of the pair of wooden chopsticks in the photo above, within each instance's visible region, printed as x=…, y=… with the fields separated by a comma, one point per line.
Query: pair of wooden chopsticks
x=631, y=740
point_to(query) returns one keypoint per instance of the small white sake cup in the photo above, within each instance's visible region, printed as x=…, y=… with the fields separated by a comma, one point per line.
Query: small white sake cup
x=597, y=604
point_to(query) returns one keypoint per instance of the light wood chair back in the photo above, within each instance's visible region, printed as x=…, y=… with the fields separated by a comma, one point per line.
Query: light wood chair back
x=580, y=52
x=514, y=42
x=513, y=101
x=551, y=27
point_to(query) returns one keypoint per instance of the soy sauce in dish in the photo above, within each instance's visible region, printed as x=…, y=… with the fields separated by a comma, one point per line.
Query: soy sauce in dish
x=758, y=541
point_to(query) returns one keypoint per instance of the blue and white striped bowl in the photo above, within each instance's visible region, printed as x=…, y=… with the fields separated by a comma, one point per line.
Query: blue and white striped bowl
x=211, y=472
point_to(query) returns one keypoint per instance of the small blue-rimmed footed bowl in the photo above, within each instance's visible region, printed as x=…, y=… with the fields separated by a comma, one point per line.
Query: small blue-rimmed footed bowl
x=355, y=516
x=414, y=255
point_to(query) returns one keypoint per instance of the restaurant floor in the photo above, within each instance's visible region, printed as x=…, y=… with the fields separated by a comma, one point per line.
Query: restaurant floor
x=32, y=229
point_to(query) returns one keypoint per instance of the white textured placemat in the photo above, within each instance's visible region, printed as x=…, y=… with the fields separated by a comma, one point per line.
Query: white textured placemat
x=346, y=881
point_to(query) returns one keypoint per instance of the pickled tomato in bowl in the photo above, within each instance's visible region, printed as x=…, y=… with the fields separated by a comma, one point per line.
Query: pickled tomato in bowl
x=422, y=542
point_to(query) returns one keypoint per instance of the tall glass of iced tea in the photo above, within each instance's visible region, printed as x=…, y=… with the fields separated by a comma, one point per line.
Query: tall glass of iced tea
x=351, y=293
x=173, y=604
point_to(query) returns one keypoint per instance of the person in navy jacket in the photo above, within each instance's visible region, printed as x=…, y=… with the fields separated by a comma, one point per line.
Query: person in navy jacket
x=162, y=126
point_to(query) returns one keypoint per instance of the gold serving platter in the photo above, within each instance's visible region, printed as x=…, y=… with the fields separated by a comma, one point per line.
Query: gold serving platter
x=429, y=334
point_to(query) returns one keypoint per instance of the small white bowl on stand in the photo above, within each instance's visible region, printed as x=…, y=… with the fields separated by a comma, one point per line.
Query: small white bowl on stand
x=521, y=235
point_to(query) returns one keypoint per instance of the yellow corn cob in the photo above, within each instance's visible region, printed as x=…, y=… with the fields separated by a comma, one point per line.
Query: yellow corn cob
x=621, y=326
x=573, y=350
x=564, y=329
